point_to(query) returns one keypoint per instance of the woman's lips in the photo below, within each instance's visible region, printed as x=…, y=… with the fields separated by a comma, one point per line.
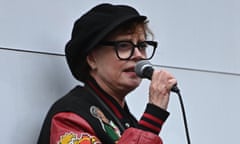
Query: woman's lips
x=130, y=71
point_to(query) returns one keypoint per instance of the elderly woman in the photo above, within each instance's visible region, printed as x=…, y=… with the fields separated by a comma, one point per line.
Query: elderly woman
x=105, y=46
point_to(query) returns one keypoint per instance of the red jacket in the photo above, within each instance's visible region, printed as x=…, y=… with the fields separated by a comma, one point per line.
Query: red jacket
x=69, y=126
x=81, y=117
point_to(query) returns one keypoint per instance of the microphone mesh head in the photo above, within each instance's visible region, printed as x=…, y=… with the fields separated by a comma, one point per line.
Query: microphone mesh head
x=140, y=66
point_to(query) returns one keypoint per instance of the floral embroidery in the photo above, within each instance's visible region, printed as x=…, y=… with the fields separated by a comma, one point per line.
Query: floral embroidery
x=72, y=138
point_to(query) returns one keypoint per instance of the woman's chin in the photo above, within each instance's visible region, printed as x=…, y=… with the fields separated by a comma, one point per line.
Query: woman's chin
x=133, y=82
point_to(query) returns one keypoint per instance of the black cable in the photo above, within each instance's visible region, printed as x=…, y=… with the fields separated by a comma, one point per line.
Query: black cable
x=184, y=117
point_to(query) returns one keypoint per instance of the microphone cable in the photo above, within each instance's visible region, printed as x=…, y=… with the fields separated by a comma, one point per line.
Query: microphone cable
x=183, y=115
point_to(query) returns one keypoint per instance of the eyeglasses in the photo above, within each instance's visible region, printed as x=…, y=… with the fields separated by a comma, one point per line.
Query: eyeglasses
x=125, y=49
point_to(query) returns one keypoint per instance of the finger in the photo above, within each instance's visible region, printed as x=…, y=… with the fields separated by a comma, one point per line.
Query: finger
x=171, y=83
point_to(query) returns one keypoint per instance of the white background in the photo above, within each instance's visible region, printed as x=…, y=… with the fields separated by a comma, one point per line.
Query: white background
x=199, y=44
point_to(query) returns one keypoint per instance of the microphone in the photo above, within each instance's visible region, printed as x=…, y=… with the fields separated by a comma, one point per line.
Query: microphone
x=144, y=69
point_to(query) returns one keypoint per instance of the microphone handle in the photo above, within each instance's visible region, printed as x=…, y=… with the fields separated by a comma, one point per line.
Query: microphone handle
x=148, y=72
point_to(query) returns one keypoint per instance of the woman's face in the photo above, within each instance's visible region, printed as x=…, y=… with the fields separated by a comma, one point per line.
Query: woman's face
x=112, y=74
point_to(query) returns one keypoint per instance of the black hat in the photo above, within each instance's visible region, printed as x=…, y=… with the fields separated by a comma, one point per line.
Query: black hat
x=93, y=27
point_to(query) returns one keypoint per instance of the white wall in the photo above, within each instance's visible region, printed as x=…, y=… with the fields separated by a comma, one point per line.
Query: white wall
x=30, y=83
x=198, y=39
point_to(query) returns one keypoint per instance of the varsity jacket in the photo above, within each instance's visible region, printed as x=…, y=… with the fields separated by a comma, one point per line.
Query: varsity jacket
x=88, y=115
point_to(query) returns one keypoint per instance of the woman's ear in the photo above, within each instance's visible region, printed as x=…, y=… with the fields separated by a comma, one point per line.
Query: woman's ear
x=91, y=61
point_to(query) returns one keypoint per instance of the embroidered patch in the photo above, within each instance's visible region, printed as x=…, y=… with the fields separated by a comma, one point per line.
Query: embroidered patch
x=97, y=113
x=72, y=138
x=108, y=126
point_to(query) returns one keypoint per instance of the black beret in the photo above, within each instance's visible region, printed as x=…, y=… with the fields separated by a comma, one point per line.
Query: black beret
x=91, y=28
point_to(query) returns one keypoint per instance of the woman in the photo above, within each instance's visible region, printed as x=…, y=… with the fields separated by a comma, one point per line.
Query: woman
x=105, y=45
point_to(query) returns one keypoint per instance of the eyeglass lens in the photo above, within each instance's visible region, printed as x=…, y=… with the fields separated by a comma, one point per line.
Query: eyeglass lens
x=126, y=49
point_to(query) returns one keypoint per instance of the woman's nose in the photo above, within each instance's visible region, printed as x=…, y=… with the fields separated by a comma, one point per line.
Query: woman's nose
x=137, y=53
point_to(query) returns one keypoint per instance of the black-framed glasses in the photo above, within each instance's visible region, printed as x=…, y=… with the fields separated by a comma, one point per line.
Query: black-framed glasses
x=125, y=49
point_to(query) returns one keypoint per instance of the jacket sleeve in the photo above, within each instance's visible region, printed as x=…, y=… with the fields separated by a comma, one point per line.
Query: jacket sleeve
x=67, y=127
x=148, y=129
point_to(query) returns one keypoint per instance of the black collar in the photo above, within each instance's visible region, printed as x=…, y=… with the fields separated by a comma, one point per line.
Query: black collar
x=109, y=100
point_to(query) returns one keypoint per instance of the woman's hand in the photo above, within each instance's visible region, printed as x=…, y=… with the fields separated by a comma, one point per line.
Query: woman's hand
x=160, y=88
